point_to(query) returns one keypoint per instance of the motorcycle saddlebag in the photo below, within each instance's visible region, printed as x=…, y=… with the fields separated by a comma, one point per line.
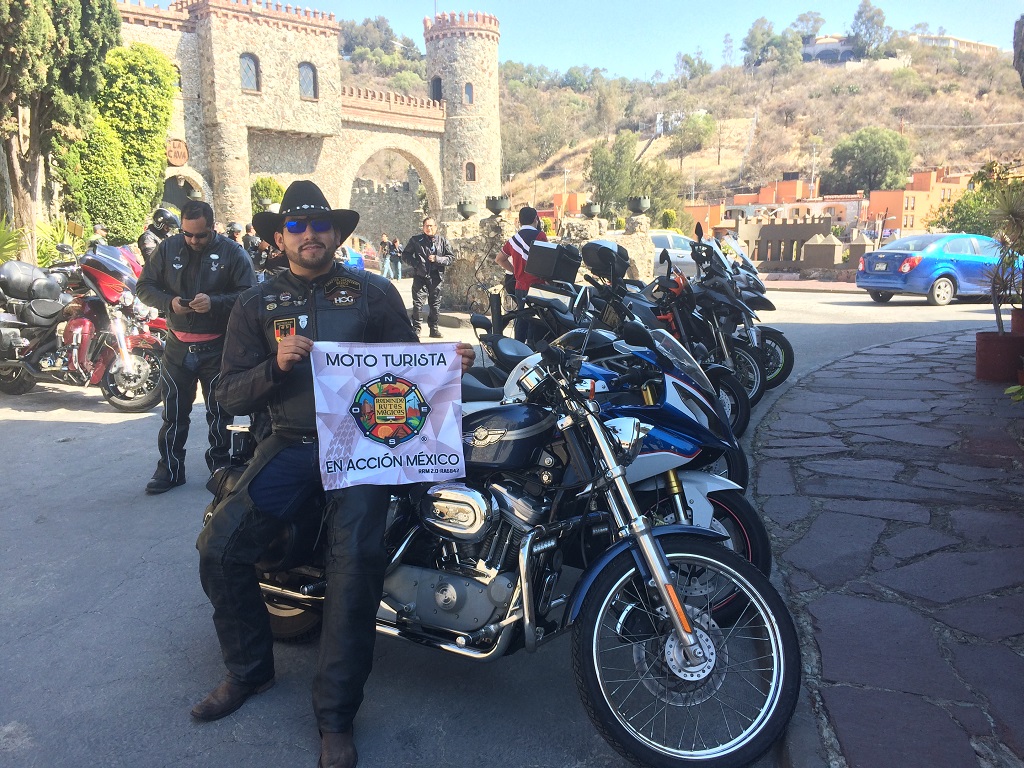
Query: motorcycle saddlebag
x=7, y=338
x=16, y=278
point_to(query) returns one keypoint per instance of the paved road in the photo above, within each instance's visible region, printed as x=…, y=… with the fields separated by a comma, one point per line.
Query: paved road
x=107, y=638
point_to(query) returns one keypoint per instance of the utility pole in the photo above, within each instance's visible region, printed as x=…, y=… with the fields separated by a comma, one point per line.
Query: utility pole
x=814, y=168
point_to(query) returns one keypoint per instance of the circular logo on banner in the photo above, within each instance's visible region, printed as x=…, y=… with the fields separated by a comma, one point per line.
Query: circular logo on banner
x=390, y=410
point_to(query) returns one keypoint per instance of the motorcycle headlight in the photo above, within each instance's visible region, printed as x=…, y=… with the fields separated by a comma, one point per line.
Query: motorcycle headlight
x=629, y=433
x=127, y=298
x=532, y=379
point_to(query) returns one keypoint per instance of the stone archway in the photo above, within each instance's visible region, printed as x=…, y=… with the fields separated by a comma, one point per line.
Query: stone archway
x=179, y=181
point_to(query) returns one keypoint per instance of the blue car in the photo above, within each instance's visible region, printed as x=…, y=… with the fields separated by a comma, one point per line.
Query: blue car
x=939, y=267
x=350, y=257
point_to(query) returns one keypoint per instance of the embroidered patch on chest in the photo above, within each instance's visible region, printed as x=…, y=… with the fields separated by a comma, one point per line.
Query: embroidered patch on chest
x=285, y=326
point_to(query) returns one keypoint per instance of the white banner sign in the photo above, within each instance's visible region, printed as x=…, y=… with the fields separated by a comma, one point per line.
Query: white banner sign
x=388, y=414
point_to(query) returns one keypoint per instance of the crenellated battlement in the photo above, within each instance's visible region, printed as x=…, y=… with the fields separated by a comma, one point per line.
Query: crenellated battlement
x=393, y=99
x=472, y=24
x=182, y=14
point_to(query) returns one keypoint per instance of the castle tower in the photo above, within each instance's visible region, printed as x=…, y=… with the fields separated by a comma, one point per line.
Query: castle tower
x=462, y=70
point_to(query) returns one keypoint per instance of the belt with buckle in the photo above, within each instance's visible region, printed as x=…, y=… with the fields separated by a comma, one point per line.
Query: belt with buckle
x=203, y=346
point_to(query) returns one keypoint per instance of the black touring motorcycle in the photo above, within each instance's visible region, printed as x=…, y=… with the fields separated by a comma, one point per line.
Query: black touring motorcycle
x=683, y=653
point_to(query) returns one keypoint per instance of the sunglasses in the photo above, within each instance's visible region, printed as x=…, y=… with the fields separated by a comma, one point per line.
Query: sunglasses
x=318, y=225
x=195, y=235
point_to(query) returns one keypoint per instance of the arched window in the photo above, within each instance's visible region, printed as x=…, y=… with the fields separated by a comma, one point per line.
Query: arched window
x=469, y=93
x=308, y=87
x=249, y=69
x=177, y=76
x=470, y=172
x=435, y=89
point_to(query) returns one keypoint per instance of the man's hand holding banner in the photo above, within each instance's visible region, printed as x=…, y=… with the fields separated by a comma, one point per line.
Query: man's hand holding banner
x=388, y=414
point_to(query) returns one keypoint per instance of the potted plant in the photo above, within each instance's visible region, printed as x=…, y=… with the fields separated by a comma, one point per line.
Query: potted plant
x=997, y=353
x=496, y=204
x=466, y=209
x=638, y=205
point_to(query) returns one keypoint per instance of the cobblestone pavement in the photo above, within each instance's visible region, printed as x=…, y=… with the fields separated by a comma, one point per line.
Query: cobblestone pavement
x=891, y=481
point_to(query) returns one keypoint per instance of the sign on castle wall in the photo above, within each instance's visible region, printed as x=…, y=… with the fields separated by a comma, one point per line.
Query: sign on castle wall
x=177, y=152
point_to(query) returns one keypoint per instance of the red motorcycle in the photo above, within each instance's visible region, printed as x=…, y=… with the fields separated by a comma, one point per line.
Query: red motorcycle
x=105, y=339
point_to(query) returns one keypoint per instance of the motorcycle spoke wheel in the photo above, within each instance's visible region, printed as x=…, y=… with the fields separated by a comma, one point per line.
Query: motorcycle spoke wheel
x=648, y=701
x=778, y=357
x=134, y=390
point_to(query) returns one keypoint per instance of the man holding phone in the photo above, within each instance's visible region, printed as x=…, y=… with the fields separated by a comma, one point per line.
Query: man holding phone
x=193, y=278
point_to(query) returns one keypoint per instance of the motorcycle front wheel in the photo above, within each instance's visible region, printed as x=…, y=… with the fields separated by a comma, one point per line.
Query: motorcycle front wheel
x=134, y=390
x=749, y=369
x=735, y=402
x=778, y=357
x=655, y=707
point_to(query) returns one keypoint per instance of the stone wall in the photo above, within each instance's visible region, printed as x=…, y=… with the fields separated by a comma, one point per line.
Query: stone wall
x=392, y=210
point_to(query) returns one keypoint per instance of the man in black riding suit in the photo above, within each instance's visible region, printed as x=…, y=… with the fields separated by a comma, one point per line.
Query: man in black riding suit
x=428, y=254
x=266, y=363
x=194, y=279
x=163, y=222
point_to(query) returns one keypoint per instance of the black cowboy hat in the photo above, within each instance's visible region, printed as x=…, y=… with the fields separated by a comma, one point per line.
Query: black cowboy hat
x=304, y=199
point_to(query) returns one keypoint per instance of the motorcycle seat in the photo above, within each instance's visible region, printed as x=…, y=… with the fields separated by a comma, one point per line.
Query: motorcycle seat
x=41, y=312
x=475, y=391
x=17, y=279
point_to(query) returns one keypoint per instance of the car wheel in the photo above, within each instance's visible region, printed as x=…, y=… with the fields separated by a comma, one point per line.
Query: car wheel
x=880, y=296
x=941, y=292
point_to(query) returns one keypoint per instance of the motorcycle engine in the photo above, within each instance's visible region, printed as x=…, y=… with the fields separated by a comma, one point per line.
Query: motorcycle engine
x=456, y=511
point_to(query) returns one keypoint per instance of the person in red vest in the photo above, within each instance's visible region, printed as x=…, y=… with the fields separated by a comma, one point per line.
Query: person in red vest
x=513, y=257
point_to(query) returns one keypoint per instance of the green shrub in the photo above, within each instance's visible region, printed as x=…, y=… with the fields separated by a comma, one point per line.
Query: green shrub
x=669, y=218
x=547, y=225
x=265, y=188
x=620, y=222
x=49, y=235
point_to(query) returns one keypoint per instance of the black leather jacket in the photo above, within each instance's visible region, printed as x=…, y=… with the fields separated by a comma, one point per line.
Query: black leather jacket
x=150, y=240
x=343, y=305
x=222, y=271
x=418, y=251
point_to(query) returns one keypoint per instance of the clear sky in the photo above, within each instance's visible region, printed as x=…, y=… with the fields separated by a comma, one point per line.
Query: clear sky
x=636, y=39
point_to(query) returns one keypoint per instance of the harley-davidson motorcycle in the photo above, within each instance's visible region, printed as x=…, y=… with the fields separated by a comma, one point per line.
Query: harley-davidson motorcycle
x=683, y=653
x=105, y=339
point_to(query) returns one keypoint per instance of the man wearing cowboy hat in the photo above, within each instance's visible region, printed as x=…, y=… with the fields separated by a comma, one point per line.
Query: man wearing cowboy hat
x=266, y=363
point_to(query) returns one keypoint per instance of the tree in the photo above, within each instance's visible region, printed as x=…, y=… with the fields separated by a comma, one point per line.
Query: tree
x=727, y=50
x=690, y=68
x=872, y=158
x=756, y=43
x=610, y=169
x=50, y=67
x=110, y=198
x=971, y=212
x=136, y=101
x=808, y=24
x=868, y=31
x=1018, y=48
x=691, y=135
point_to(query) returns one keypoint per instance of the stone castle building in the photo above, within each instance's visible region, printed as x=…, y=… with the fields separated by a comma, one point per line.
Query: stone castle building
x=261, y=95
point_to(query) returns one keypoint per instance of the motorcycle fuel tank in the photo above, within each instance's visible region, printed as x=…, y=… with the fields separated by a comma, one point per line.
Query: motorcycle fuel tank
x=506, y=436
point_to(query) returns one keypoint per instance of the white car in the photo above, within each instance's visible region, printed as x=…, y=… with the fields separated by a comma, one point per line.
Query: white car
x=678, y=249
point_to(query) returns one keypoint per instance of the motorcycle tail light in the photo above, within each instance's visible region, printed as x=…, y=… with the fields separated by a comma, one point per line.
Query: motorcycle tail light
x=909, y=263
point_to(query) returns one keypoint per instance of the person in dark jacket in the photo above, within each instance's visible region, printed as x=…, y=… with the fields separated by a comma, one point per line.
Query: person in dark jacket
x=428, y=254
x=266, y=364
x=194, y=279
x=163, y=222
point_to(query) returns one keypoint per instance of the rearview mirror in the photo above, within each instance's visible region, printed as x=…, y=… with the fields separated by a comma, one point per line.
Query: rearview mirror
x=636, y=334
x=580, y=303
x=699, y=231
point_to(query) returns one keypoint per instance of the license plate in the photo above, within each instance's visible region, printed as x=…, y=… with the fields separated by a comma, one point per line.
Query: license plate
x=610, y=317
x=881, y=266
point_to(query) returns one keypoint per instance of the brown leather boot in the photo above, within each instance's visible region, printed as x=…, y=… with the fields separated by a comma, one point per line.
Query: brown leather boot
x=337, y=750
x=226, y=698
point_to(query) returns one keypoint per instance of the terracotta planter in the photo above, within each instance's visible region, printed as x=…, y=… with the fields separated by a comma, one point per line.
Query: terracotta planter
x=997, y=358
x=1017, y=321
